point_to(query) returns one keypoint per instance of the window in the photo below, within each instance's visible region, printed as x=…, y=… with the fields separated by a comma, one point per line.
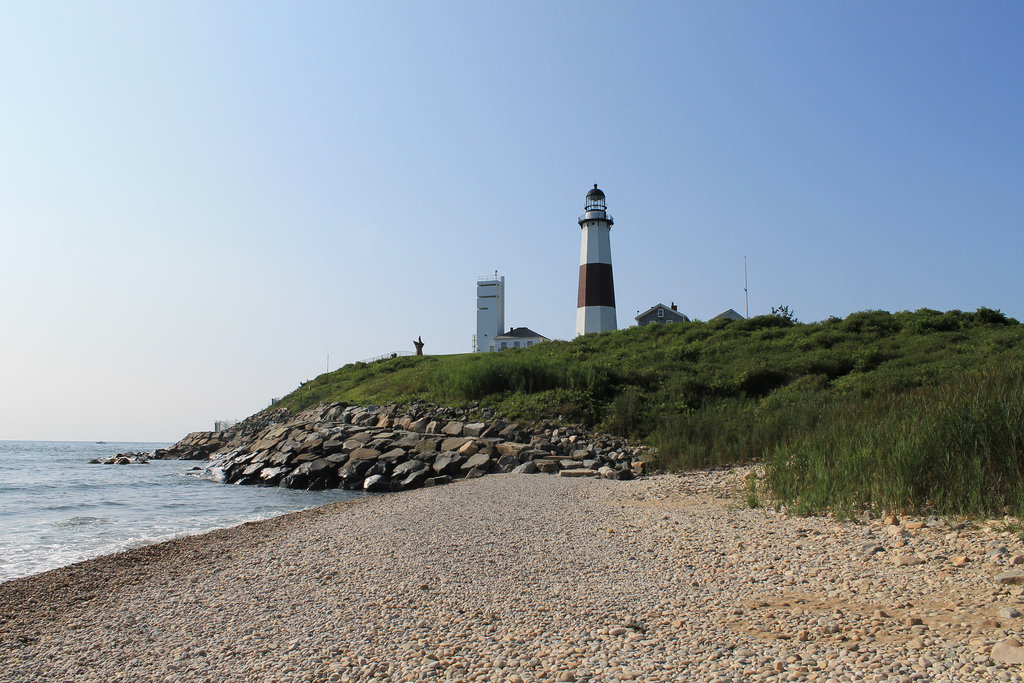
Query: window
x=517, y=344
x=504, y=345
x=661, y=312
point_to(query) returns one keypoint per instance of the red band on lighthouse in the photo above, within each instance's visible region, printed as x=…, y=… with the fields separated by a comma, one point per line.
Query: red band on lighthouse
x=596, y=288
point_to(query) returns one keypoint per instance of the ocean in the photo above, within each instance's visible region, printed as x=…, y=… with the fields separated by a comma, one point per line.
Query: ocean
x=57, y=509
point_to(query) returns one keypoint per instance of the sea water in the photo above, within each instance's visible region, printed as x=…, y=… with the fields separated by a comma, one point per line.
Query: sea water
x=56, y=508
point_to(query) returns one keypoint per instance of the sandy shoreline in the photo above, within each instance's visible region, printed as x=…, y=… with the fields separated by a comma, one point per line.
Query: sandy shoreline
x=528, y=576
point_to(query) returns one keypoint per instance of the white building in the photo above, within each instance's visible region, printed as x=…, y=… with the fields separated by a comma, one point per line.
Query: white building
x=518, y=338
x=490, y=312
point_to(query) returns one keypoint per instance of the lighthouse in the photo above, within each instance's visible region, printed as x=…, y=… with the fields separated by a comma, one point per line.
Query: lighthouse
x=595, y=301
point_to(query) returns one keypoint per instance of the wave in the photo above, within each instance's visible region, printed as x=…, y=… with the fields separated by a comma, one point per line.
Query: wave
x=80, y=521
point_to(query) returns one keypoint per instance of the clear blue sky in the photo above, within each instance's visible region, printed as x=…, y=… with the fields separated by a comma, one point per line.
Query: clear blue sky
x=199, y=200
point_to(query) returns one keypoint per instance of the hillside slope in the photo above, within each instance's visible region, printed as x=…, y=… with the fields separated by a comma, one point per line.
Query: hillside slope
x=718, y=392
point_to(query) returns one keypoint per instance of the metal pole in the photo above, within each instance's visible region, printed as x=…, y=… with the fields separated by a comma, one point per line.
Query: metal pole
x=746, y=299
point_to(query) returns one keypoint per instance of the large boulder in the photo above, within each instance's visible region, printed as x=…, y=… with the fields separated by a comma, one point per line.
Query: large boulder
x=377, y=483
x=453, y=428
x=528, y=467
x=394, y=455
x=507, y=463
x=419, y=426
x=454, y=443
x=414, y=480
x=408, y=467
x=428, y=444
x=364, y=454
x=353, y=472
x=448, y=463
x=474, y=429
x=480, y=461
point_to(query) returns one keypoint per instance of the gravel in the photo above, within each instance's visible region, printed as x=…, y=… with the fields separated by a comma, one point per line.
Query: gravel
x=533, y=578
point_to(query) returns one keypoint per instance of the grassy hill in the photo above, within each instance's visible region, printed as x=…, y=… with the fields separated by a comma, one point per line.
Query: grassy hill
x=911, y=410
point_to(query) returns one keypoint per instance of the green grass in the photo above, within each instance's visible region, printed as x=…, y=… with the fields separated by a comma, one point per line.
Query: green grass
x=954, y=448
x=766, y=388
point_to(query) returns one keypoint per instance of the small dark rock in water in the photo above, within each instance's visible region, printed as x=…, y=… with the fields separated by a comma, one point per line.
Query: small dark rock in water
x=140, y=458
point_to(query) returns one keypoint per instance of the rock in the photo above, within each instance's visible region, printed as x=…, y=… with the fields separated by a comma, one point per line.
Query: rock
x=1014, y=577
x=1008, y=612
x=578, y=472
x=916, y=644
x=475, y=473
x=469, y=448
x=453, y=428
x=1008, y=651
x=474, y=429
x=393, y=455
x=352, y=472
x=408, y=442
x=415, y=479
x=907, y=560
x=332, y=446
x=511, y=448
x=914, y=525
x=377, y=483
x=870, y=548
x=511, y=432
x=408, y=467
x=480, y=461
x=624, y=473
x=271, y=475
x=507, y=463
x=958, y=560
x=1015, y=560
x=419, y=426
x=448, y=463
x=438, y=481
x=453, y=443
x=298, y=479
x=528, y=467
x=428, y=444
x=363, y=454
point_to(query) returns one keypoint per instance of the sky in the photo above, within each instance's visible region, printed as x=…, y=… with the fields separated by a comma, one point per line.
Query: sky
x=204, y=204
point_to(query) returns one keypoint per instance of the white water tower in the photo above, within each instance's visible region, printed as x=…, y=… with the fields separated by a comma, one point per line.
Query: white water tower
x=490, y=311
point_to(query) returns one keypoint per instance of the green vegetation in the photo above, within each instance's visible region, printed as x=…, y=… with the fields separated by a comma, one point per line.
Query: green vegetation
x=903, y=411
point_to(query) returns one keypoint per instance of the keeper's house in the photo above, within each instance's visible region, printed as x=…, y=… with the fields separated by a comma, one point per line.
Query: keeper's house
x=661, y=314
x=518, y=338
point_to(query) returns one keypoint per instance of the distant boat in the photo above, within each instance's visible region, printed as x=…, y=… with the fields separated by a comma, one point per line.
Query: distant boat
x=101, y=442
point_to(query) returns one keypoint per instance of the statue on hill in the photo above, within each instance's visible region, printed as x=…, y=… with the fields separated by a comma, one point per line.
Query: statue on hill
x=418, y=343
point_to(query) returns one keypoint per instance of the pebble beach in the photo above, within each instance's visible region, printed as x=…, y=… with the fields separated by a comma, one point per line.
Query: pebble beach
x=536, y=578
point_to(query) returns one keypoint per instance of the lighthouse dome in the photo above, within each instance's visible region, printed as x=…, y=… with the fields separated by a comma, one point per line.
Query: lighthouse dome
x=595, y=193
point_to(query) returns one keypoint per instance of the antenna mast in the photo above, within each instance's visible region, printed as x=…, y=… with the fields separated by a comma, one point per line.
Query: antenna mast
x=746, y=299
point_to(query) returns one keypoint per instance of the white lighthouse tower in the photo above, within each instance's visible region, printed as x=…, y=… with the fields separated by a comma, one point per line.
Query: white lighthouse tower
x=595, y=302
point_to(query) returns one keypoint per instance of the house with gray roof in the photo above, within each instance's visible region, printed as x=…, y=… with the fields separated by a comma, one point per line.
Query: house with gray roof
x=661, y=314
x=518, y=338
